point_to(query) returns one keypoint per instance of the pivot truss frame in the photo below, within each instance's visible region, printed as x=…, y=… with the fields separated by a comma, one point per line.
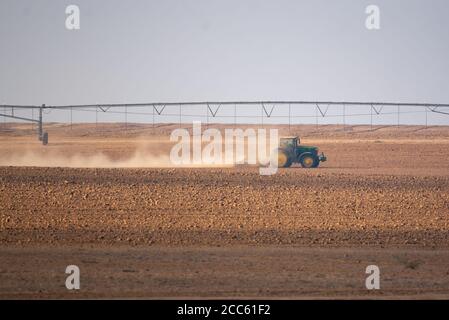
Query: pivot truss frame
x=212, y=108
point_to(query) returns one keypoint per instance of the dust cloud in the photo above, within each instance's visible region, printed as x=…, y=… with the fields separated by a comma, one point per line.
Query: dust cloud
x=96, y=160
x=141, y=154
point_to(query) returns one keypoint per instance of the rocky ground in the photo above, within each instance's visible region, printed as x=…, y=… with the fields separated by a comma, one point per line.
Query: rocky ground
x=220, y=207
x=299, y=233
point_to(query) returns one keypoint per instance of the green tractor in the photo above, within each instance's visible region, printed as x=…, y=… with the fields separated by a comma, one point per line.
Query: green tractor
x=290, y=151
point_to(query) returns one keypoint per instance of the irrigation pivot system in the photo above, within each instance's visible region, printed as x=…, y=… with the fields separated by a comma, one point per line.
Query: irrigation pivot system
x=212, y=108
x=43, y=136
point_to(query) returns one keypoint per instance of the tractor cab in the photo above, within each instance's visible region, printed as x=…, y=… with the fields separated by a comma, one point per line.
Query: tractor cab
x=289, y=142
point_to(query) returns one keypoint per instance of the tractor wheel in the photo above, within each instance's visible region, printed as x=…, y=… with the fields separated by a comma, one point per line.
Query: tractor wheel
x=308, y=160
x=284, y=160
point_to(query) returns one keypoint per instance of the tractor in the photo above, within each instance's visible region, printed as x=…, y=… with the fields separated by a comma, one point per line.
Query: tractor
x=290, y=151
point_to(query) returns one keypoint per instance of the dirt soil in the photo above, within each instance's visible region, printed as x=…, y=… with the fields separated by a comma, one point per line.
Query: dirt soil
x=105, y=198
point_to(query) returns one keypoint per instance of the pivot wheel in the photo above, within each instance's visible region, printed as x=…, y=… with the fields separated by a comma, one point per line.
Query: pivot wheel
x=283, y=159
x=309, y=161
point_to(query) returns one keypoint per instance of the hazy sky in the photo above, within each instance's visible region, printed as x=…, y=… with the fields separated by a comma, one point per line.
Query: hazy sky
x=141, y=51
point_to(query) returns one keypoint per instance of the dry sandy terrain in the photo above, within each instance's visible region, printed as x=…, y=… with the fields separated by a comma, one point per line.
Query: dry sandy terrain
x=143, y=229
